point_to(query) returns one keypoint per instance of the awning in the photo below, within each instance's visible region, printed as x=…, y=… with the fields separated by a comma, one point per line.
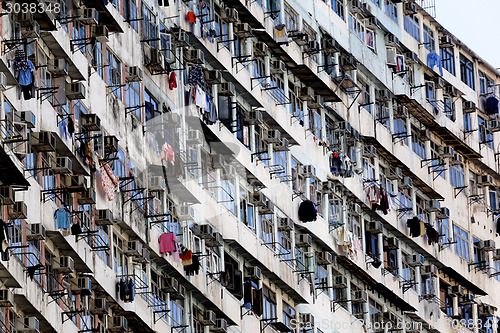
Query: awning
x=422, y=115
x=45, y=18
x=289, y=290
x=393, y=298
x=11, y=80
x=9, y=173
x=59, y=53
x=360, y=273
x=77, y=166
x=67, y=250
x=417, y=182
x=462, y=280
x=105, y=17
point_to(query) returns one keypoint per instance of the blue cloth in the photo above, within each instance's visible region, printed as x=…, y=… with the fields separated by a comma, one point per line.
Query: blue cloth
x=25, y=77
x=62, y=218
x=434, y=59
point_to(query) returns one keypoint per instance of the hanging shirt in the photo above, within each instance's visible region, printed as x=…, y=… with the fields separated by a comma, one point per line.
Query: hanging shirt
x=434, y=59
x=307, y=211
x=62, y=218
x=491, y=105
x=25, y=76
x=167, y=242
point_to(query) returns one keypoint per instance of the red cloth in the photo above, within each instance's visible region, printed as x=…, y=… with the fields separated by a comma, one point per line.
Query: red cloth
x=191, y=17
x=167, y=242
x=186, y=256
x=172, y=81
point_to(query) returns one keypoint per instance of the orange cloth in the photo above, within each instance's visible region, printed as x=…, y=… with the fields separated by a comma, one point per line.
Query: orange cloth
x=191, y=17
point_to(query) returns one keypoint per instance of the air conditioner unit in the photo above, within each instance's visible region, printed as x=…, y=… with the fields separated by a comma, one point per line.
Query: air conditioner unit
x=253, y=272
x=203, y=231
x=35, y=231
x=57, y=66
x=133, y=74
x=391, y=40
x=406, y=183
x=229, y=15
x=195, y=56
x=375, y=227
x=101, y=33
x=260, y=49
x=215, y=241
x=324, y=258
x=208, y=317
x=496, y=254
x=257, y=199
x=285, y=224
x=304, y=240
x=3, y=81
x=468, y=106
x=308, y=171
x=242, y=30
x=446, y=41
x=457, y=159
x=25, y=18
x=384, y=95
x=316, y=103
x=486, y=310
x=118, y=324
x=103, y=217
x=134, y=248
x=28, y=325
x=416, y=260
x=7, y=196
x=65, y=265
x=220, y=326
x=355, y=209
x=301, y=38
x=43, y=141
x=89, y=16
x=61, y=165
x=82, y=285
x=356, y=6
x=311, y=47
x=493, y=125
x=267, y=208
x=90, y=122
x=486, y=180
x=429, y=269
x=450, y=90
x=400, y=112
x=411, y=57
x=253, y=117
x=327, y=187
x=340, y=282
x=6, y=298
x=444, y=213
x=392, y=56
x=306, y=319
x=306, y=94
x=282, y=145
x=271, y=136
x=145, y=256
x=75, y=91
x=348, y=63
x=170, y=285
x=359, y=296
x=99, y=306
x=195, y=137
x=425, y=135
x=372, y=23
x=213, y=76
x=409, y=8
x=456, y=290
x=26, y=117
x=278, y=67
x=156, y=183
x=227, y=89
x=330, y=45
x=391, y=243
x=110, y=144
x=181, y=294
x=18, y=210
x=466, y=299
x=487, y=245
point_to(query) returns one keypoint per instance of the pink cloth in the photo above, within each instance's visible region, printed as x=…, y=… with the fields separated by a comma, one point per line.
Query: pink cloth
x=109, y=180
x=167, y=242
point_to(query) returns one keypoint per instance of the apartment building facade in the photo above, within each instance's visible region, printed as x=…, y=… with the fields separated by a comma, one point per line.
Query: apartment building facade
x=246, y=166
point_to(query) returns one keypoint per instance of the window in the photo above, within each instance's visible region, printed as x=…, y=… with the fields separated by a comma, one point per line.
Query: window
x=412, y=26
x=152, y=110
x=376, y=2
x=418, y=145
x=133, y=98
x=119, y=259
x=312, y=37
x=443, y=228
x=315, y=124
x=365, y=95
x=288, y=315
x=269, y=303
x=407, y=271
x=266, y=229
x=356, y=26
x=114, y=73
x=176, y=313
x=247, y=212
x=79, y=37
x=457, y=175
x=466, y=71
x=467, y=122
x=485, y=84
x=493, y=200
x=338, y=8
x=400, y=130
x=130, y=8
x=449, y=107
x=448, y=59
x=291, y=18
x=227, y=194
x=319, y=278
x=149, y=33
x=429, y=42
x=391, y=10
x=98, y=59
x=461, y=237
x=479, y=255
x=485, y=136
x=374, y=308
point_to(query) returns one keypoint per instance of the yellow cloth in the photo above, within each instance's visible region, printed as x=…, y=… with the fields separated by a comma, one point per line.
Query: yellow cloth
x=422, y=228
